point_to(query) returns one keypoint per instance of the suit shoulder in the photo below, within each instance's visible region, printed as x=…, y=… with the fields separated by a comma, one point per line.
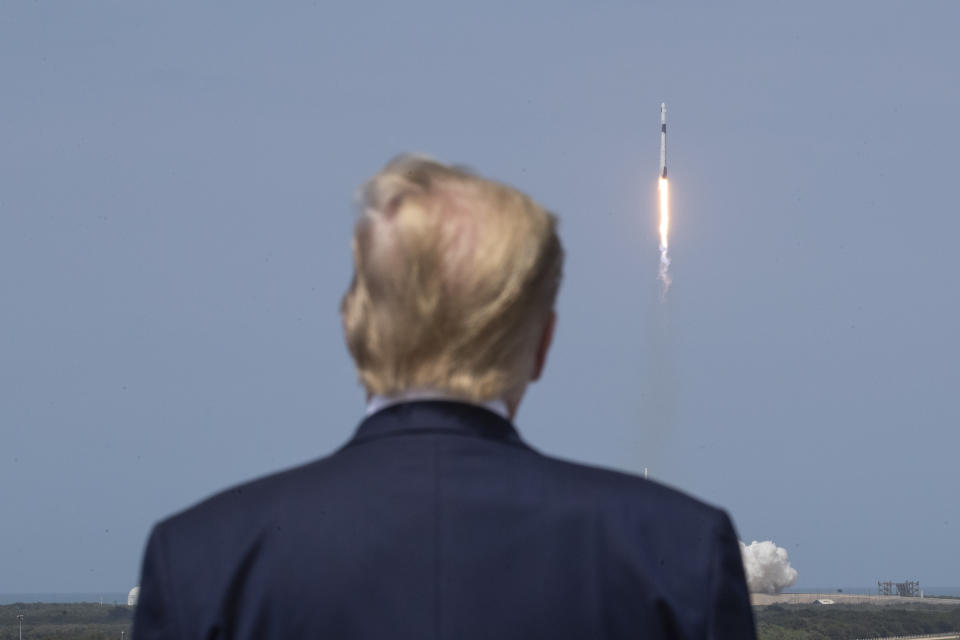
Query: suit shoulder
x=649, y=528
x=248, y=502
x=621, y=490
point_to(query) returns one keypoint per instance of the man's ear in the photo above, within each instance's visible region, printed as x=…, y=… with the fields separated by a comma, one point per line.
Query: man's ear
x=546, y=339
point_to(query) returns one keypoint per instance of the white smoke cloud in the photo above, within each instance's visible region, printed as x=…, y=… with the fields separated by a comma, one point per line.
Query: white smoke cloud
x=767, y=567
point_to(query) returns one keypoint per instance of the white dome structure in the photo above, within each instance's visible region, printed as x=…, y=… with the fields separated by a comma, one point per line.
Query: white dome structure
x=133, y=596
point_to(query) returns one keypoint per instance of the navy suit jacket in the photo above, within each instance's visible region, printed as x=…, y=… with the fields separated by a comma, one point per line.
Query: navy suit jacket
x=436, y=521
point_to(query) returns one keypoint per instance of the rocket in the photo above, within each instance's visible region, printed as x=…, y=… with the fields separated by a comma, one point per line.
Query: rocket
x=663, y=140
x=663, y=189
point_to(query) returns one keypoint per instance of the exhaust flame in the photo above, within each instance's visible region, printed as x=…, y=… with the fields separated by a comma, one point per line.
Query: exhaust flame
x=664, y=188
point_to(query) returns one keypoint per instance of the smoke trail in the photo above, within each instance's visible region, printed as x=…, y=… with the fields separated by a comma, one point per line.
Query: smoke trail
x=664, y=188
x=767, y=567
x=655, y=404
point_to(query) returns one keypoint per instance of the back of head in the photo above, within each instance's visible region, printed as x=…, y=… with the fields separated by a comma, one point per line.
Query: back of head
x=455, y=278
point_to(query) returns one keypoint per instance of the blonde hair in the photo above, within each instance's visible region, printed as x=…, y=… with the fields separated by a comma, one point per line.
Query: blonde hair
x=455, y=277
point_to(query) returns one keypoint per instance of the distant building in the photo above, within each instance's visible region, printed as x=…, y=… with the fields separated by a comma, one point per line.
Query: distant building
x=908, y=589
x=133, y=596
x=823, y=601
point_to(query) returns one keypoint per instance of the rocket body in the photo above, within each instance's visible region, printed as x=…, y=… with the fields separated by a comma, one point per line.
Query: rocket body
x=663, y=140
x=663, y=191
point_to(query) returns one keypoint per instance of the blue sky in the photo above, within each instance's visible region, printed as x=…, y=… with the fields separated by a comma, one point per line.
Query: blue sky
x=176, y=204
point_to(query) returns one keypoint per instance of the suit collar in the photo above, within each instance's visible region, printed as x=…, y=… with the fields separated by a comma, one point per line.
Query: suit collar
x=436, y=416
x=378, y=403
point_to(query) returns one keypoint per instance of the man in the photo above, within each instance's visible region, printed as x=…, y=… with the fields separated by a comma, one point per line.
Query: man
x=436, y=520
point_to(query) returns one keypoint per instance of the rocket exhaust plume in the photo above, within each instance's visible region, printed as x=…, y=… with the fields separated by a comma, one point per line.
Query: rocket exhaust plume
x=767, y=567
x=663, y=186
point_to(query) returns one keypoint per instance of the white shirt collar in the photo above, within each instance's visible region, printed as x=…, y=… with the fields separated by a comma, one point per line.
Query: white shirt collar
x=376, y=403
